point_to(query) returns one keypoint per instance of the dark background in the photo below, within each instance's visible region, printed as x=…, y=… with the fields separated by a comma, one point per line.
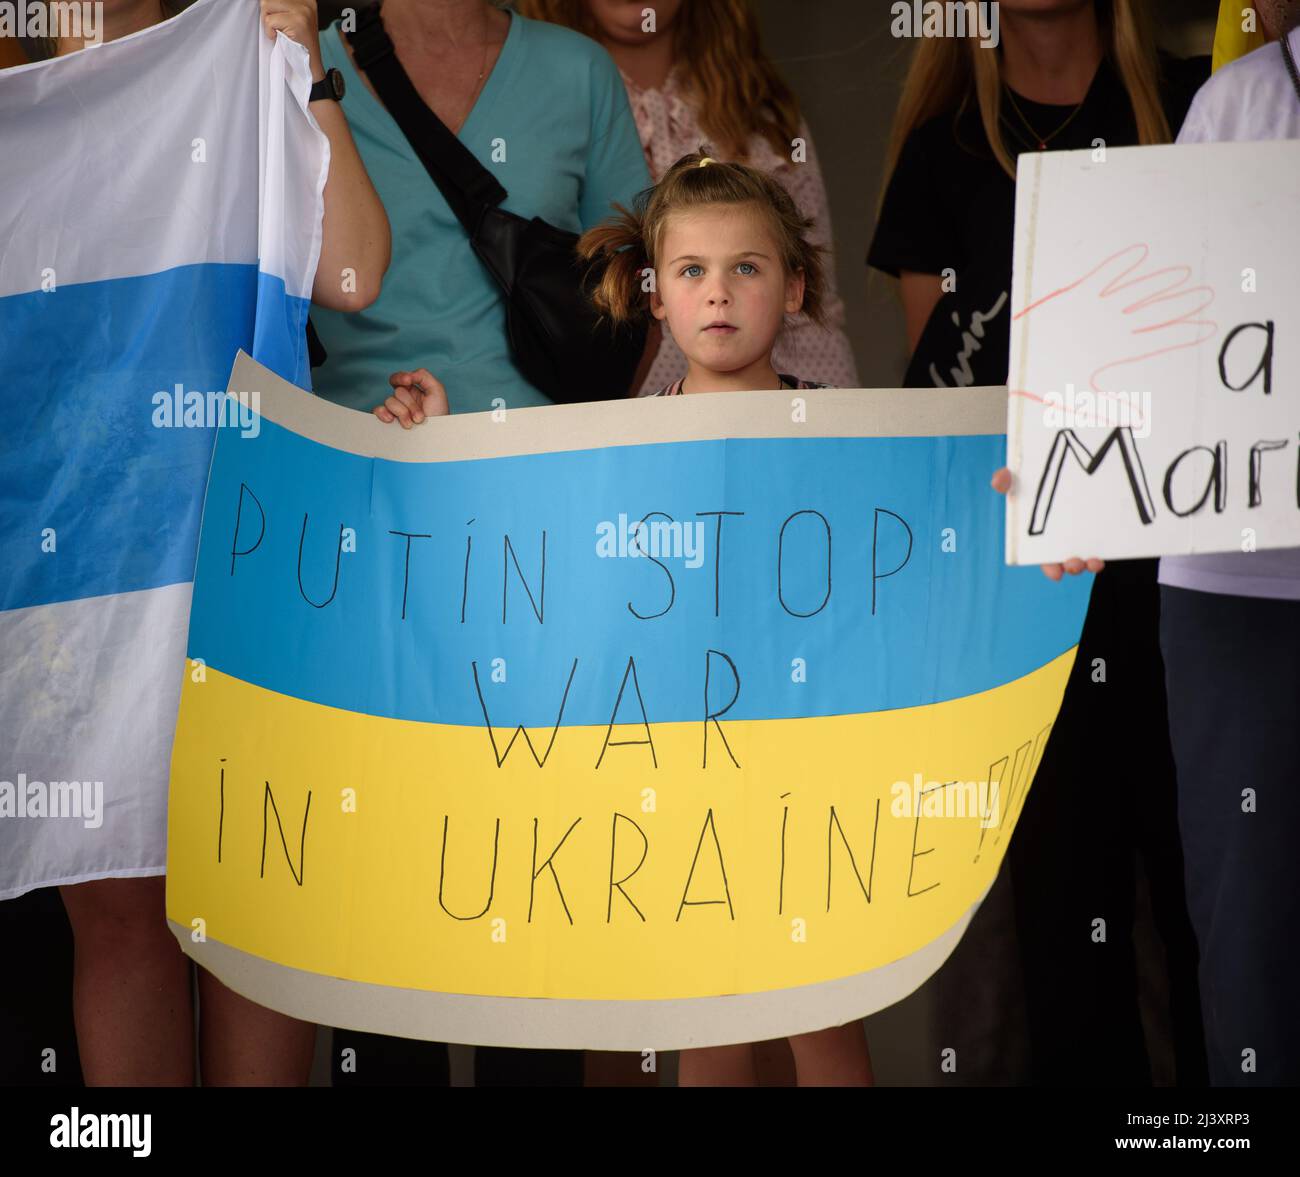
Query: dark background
x=847, y=70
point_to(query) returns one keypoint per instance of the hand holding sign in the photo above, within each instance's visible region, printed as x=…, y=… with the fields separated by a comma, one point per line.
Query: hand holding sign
x=1140, y=423
x=529, y=811
x=1002, y=482
x=416, y=395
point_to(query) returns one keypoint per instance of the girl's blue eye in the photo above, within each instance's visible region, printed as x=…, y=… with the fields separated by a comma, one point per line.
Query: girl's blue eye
x=747, y=268
x=688, y=270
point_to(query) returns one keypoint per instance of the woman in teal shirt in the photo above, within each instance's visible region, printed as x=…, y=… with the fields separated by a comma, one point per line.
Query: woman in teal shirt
x=543, y=109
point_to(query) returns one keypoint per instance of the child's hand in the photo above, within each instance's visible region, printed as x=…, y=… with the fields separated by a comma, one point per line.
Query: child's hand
x=416, y=395
x=1074, y=565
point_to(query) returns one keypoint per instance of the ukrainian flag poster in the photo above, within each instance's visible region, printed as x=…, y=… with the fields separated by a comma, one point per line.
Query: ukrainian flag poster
x=702, y=719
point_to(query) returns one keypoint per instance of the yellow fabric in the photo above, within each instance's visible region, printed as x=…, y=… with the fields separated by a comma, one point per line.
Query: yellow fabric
x=380, y=850
x=1230, y=40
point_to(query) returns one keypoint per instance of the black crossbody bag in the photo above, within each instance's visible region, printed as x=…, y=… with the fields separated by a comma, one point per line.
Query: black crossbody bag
x=558, y=340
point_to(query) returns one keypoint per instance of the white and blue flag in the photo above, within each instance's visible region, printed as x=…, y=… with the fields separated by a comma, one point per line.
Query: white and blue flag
x=161, y=201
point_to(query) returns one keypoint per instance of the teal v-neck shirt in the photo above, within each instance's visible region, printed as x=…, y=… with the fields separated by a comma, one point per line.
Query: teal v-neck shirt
x=552, y=123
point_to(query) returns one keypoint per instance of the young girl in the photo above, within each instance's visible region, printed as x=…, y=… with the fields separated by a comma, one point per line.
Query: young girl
x=731, y=260
x=736, y=262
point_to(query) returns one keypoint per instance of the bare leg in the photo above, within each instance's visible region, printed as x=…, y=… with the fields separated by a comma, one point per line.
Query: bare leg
x=243, y=1044
x=131, y=993
x=774, y=1063
x=836, y=1057
x=717, y=1066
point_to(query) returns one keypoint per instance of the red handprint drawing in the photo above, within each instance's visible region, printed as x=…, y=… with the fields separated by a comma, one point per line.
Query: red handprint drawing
x=1144, y=315
x=1131, y=317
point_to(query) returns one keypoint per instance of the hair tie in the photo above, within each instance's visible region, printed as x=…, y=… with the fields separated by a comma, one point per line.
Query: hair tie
x=706, y=161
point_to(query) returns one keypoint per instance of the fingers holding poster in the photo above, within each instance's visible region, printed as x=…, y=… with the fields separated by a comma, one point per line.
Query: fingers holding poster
x=1153, y=405
x=745, y=703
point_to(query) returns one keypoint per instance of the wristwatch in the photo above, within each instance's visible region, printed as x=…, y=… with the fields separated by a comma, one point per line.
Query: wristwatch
x=330, y=86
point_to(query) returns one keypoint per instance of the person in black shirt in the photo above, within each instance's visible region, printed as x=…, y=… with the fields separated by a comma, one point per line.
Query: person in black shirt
x=1069, y=74
x=949, y=206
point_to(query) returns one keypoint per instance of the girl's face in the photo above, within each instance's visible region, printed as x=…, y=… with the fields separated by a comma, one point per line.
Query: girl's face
x=623, y=22
x=721, y=286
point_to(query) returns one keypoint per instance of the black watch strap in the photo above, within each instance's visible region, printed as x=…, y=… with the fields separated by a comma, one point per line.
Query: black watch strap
x=330, y=86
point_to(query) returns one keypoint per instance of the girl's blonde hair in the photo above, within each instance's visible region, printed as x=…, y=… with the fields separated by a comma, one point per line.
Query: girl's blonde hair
x=945, y=71
x=622, y=247
x=729, y=80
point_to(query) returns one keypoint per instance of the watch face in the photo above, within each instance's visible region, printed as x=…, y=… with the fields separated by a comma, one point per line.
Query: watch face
x=336, y=82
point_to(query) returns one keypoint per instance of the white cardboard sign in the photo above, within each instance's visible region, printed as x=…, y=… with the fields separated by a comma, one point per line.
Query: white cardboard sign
x=1154, y=382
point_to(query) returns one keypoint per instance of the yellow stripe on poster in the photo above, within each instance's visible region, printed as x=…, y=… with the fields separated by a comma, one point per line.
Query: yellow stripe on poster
x=399, y=854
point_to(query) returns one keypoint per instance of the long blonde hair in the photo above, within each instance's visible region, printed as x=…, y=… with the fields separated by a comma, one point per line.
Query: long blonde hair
x=731, y=82
x=946, y=70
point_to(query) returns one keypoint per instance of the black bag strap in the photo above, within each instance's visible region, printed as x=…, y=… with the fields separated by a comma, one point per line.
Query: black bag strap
x=1289, y=58
x=469, y=188
x=316, y=353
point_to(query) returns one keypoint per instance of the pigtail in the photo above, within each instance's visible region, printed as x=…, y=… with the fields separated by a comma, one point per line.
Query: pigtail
x=616, y=256
x=811, y=259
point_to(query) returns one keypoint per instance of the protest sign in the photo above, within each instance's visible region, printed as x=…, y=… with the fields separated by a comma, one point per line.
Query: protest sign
x=703, y=718
x=1154, y=381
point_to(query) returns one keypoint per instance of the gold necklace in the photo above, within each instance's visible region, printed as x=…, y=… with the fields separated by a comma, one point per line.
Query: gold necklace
x=482, y=71
x=1040, y=140
x=483, y=64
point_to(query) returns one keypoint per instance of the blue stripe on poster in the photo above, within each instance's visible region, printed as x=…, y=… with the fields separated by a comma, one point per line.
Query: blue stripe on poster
x=317, y=556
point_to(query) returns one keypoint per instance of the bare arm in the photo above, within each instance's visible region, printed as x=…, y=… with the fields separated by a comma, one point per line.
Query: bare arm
x=356, y=240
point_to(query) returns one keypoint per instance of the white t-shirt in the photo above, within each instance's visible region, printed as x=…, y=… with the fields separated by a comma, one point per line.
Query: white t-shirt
x=1250, y=98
